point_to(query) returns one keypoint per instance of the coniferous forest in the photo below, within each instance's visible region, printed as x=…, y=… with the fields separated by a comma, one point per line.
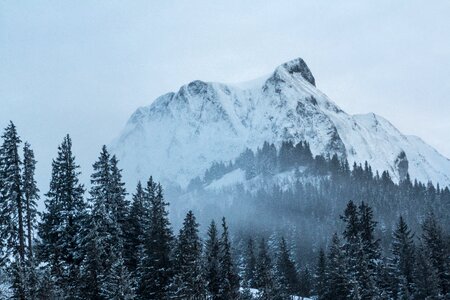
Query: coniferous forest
x=364, y=236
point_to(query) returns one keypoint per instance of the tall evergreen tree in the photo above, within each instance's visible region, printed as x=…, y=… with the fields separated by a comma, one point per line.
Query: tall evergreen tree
x=368, y=255
x=264, y=277
x=434, y=245
x=120, y=205
x=61, y=224
x=134, y=231
x=188, y=278
x=31, y=196
x=401, y=263
x=212, y=262
x=229, y=280
x=100, y=231
x=286, y=271
x=426, y=277
x=13, y=208
x=250, y=265
x=156, y=267
x=321, y=283
x=337, y=271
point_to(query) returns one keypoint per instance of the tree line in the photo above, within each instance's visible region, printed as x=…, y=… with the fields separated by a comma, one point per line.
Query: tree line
x=99, y=244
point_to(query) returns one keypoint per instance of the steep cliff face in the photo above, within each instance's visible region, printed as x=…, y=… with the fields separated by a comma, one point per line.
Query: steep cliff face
x=180, y=134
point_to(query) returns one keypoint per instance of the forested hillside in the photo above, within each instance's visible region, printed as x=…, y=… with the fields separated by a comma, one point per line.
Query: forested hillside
x=336, y=233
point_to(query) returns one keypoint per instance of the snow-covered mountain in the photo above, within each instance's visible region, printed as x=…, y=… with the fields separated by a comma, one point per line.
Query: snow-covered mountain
x=180, y=134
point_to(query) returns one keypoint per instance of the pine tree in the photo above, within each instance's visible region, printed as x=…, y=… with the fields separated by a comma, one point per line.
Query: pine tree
x=229, y=280
x=31, y=196
x=401, y=263
x=250, y=265
x=369, y=254
x=264, y=278
x=120, y=205
x=286, y=271
x=100, y=231
x=134, y=231
x=95, y=256
x=426, y=277
x=212, y=263
x=13, y=207
x=321, y=283
x=60, y=246
x=188, y=278
x=353, y=250
x=156, y=268
x=338, y=285
x=434, y=245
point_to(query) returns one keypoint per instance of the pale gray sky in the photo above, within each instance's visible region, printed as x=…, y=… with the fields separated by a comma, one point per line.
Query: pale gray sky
x=82, y=67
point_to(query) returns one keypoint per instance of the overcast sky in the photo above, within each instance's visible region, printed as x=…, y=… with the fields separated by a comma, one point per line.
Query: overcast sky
x=82, y=67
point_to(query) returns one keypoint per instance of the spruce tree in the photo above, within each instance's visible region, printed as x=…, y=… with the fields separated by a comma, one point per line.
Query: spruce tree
x=401, y=262
x=426, y=277
x=229, y=280
x=286, y=273
x=156, y=267
x=321, y=283
x=368, y=254
x=212, y=263
x=31, y=196
x=434, y=244
x=188, y=278
x=12, y=194
x=134, y=231
x=12, y=210
x=264, y=277
x=100, y=230
x=62, y=221
x=250, y=265
x=353, y=250
x=120, y=206
x=338, y=284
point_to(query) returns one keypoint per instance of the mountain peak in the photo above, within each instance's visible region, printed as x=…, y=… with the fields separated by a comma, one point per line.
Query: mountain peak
x=298, y=65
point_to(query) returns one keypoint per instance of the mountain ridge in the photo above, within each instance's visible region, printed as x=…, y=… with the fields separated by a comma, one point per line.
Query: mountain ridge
x=181, y=133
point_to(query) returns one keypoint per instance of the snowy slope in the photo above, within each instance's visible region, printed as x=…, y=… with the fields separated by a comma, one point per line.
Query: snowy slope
x=180, y=134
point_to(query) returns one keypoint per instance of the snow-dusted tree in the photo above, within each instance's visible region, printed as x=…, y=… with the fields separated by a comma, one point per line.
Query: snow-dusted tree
x=156, y=267
x=368, y=254
x=120, y=205
x=31, y=196
x=250, y=265
x=134, y=230
x=229, y=280
x=188, y=278
x=401, y=262
x=321, y=283
x=338, y=285
x=13, y=208
x=60, y=228
x=426, y=277
x=435, y=247
x=264, y=277
x=212, y=263
x=286, y=272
